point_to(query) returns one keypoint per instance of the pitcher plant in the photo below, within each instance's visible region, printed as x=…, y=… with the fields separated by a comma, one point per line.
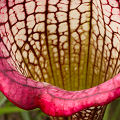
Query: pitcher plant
x=57, y=55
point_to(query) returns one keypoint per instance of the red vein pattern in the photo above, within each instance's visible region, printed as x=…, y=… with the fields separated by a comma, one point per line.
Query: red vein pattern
x=72, y=44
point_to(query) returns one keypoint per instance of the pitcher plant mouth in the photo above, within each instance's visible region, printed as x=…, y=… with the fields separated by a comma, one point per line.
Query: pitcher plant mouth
x=29, y=94
x=51, y=49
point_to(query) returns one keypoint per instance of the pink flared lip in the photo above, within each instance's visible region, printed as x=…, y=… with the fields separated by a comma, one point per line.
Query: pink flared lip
x=28, y=94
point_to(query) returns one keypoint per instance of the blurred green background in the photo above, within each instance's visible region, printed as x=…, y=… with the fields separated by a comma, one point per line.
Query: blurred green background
x=10, y=112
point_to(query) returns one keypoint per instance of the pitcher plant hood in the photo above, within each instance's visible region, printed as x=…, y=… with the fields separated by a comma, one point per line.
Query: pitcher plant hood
x=52, y=53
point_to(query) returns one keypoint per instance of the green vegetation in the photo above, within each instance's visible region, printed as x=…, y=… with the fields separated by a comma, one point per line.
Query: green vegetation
x=14, y=113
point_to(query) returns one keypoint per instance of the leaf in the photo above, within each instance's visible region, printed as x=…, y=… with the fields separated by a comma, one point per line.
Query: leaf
x=2, y=99
x=25, y=115
x=112, y=111
x=106, y=115
x=8, y=110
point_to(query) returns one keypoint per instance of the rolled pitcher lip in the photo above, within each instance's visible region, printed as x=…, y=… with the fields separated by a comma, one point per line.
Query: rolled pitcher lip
x=91, y=38
x=52, y=100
